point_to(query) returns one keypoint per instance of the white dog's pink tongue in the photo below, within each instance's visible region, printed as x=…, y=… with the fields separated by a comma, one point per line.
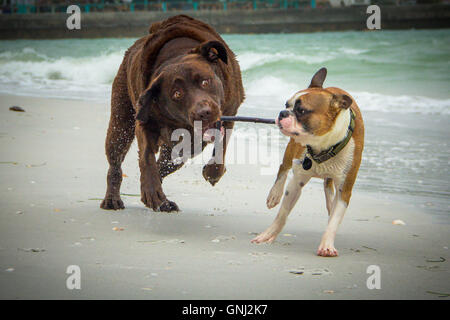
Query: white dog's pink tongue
x=286, y=122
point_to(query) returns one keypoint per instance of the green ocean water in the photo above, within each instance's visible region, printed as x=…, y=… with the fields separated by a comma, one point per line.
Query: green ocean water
x=400, y=80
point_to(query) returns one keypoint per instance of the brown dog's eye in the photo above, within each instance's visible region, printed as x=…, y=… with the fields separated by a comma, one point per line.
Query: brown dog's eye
x=205, y=83
x=176, y=95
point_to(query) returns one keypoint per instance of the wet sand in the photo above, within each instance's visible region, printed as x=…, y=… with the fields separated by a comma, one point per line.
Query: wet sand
x=53, y=173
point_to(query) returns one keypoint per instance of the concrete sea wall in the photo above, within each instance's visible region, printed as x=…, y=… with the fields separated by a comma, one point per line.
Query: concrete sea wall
x=135, y=24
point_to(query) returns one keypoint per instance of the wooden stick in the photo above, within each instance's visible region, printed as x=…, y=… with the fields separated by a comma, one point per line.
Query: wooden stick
x=247, y=119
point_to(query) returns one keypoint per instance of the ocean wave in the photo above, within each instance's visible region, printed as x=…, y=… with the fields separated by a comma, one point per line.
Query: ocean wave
x=28, y=72
x=250, y=60
x=40, y=68
x=90, y=77
x=401, y=104
x=271, y=92
x=26, y=54
x=353, y=51
x=270, y=86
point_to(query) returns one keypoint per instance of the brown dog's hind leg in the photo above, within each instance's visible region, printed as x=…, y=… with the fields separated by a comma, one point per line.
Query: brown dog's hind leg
x=118, y=141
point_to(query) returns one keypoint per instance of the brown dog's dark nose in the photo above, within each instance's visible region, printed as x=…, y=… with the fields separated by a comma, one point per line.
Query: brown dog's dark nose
x=204, y=113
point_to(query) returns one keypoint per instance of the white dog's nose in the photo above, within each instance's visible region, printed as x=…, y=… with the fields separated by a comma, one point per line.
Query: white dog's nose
x=283, y=114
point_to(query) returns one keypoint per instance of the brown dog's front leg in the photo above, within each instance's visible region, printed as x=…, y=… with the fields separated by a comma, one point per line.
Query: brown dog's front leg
x=152, y=194
x=215, y=169
x=165, y=163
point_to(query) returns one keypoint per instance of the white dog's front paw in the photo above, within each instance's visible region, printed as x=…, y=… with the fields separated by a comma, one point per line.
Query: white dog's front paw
x=327, y=249
x=269, y=235
x=275, y=195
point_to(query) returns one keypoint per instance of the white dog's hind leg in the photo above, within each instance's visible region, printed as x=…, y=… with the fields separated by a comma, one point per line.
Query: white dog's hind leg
x=326, y=247
x=329, y=194
x=293, y=192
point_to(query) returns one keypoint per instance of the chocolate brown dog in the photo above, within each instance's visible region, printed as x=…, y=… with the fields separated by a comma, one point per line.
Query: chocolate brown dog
x=180, y=73
x=327, y=140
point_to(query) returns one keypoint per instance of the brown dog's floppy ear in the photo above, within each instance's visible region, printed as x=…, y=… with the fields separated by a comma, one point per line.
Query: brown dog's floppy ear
x=147, y=99
x=342, y=101
x=212, y=51
x=318, y=78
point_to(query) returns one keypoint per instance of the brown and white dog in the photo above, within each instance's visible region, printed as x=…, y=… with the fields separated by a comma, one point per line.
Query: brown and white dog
x=327, y=140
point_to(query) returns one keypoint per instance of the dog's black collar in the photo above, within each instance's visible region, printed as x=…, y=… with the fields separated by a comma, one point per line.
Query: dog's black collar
x=334, y=150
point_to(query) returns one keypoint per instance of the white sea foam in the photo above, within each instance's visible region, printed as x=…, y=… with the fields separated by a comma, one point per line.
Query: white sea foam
x=100, y=69
x=65, y=77
x=401, y=104
x=90, y=77
x=353, y=51
x=270, y=86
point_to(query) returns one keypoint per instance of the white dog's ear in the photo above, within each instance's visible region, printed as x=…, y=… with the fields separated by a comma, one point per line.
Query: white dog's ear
x=318, y=78
x=342, y=101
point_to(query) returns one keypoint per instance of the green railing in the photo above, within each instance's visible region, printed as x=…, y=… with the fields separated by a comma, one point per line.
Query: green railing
x=164, y=6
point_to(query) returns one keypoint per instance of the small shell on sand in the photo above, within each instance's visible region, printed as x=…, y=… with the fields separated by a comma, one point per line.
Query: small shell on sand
x=297, y=271
x=17, y=109
x=398, y=222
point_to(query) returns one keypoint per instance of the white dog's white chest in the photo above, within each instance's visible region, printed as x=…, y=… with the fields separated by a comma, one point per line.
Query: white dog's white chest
x=336, y=167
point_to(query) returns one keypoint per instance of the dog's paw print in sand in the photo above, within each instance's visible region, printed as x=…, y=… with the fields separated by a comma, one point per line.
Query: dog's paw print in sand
x=310, y=272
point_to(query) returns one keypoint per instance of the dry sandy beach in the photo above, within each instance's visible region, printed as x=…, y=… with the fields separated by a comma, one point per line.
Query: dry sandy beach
x=53, y=173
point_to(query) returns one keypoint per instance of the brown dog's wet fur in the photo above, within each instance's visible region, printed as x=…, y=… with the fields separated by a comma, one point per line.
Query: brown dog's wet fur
x=181, y=72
